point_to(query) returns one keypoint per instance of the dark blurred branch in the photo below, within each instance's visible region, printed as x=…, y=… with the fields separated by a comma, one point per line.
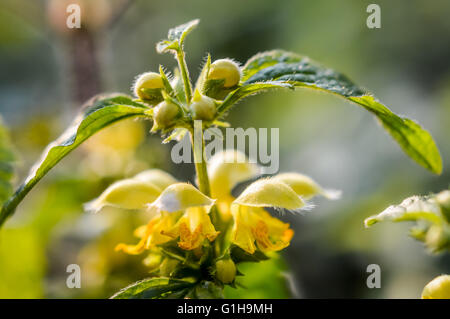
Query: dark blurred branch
x=84, y=61
x=119, y=12
x=84, y=65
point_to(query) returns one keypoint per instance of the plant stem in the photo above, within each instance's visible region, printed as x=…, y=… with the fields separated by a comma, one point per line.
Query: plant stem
x=200, y=162
x=203, y=180
x=185, y=75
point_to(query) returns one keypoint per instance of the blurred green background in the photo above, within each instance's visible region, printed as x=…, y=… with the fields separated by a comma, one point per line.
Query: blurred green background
x=47, y=71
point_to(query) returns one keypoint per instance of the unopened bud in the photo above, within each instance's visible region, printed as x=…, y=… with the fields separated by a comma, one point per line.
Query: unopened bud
x=203, y=107
x=438, y=288
x=165, y=115
x=148, y=87
x=225, y=270
x=443, y=198
x=227, y=70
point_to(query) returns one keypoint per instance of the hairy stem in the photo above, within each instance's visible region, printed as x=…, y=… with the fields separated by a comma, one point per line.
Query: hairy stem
x=198, y=147
x=185, y=75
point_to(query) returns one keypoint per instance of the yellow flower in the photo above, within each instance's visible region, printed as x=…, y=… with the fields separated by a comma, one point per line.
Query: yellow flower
x=133, y=193
x=181, y=211
x=438, y=288
x=256, y=225
x=252, y=224
x=253, y=227
x=193, y=228
x=226, y=170
x=151, y=234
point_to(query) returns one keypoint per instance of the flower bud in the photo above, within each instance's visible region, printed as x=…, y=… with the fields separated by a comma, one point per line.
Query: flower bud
x=165, y=115
x=438, y=288
x=148, y=87
x=437, y=238
x=203, y=107
x=225, y=69
x=225, y=270
x=443, y=199
x=152, y=261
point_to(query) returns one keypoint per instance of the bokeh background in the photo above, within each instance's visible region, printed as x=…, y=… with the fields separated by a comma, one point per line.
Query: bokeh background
x=47, y=71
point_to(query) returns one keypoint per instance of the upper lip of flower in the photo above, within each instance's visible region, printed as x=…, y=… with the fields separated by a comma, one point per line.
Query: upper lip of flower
x=182, y=211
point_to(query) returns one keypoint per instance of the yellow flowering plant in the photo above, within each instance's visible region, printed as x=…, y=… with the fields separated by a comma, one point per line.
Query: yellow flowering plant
x=431, y=215
x=197, y=235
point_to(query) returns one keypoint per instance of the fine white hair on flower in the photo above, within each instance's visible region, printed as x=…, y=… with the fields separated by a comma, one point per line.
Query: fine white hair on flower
x=180, y=196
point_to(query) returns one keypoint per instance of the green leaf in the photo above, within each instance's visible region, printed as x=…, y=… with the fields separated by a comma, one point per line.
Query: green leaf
x=253, y=287
x=411, y=209
x=7, y=159
x=239, y=255
x=98, y=113
x=154, y=288
x=176, y=37
x=206, y=290
x=247, y=90
x=286, y=67
x=430, y=214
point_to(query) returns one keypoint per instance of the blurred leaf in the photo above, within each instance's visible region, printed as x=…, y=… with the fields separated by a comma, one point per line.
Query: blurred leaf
x=176, y=37
x=22, y=263
x=153, y=288
x=430, y=213
x=285, y=67
x=262, y=280
x=7, y=158
x=98, y=113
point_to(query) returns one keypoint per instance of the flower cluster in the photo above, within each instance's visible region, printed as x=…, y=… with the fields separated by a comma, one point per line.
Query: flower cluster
x=189, y=232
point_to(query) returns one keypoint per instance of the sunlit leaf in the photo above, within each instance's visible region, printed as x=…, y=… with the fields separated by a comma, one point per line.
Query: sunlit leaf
x=153, y=288
x=251, y=286
x=205, y=290
x=99, y=112
x=430, y=214
x=7, y=158
x=250, y=89
x=176, y=37
x=285, y=67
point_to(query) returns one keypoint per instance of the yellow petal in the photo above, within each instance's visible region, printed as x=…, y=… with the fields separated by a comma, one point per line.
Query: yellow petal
x=227, y=169
x=127, y=194
x=180, y=196
x=193, y=228
x=271, y=234
x=438, y=288
x=305, y=186
x=270, y=193
x=151, y=234
x=144, y=233
x=156, y=177
x=256, y=227
x=242, y=235
x=158, y=235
